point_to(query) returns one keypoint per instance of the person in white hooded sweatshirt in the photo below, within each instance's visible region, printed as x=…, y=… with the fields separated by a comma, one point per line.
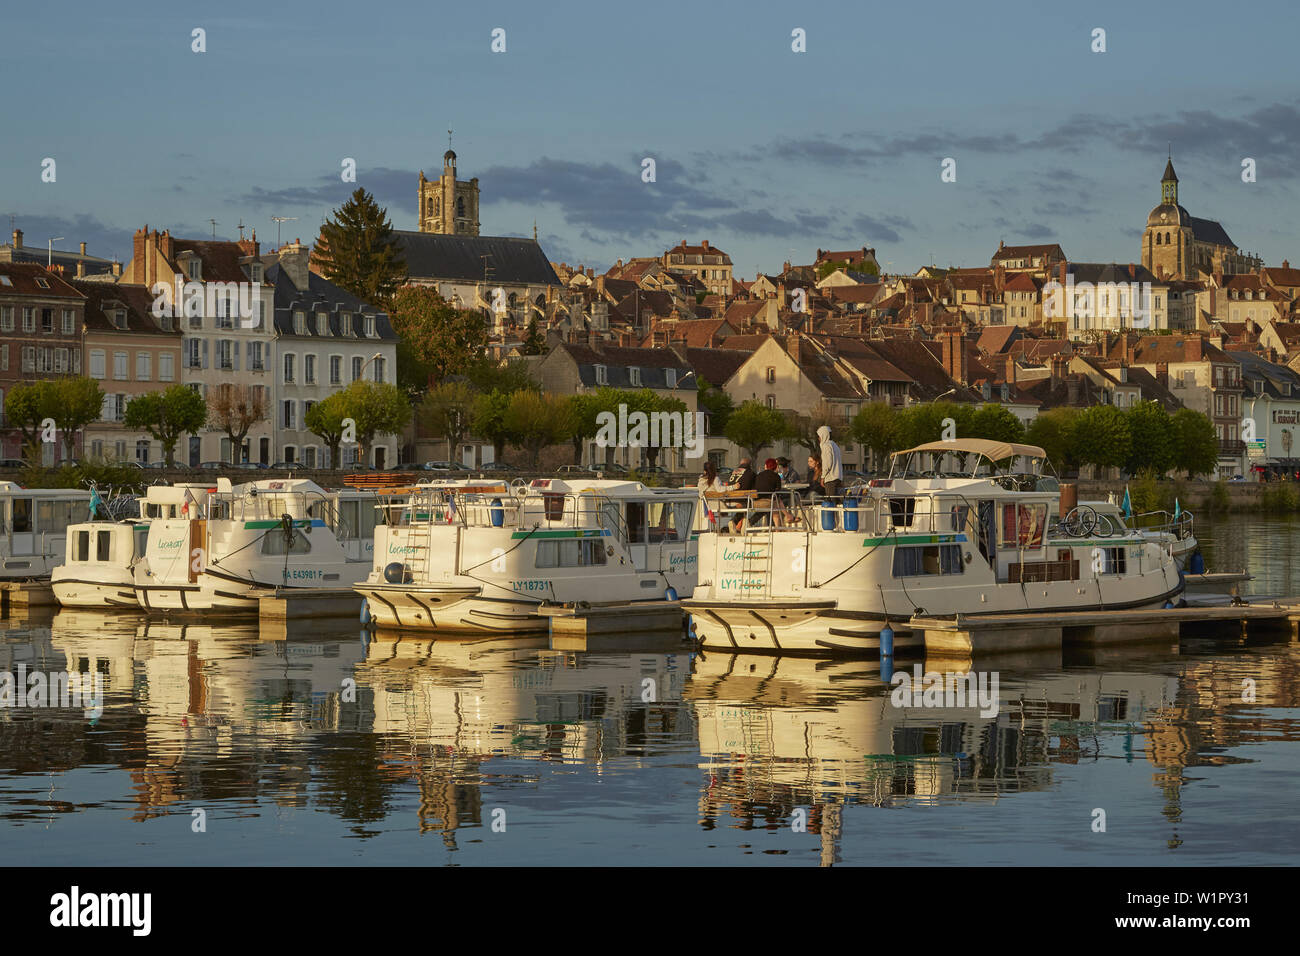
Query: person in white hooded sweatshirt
x=832, y=469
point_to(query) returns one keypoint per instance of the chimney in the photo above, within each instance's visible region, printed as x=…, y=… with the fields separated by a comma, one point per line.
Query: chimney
x=117, y=269
x=1132, y=270
x=704, y=244
x=600, y=285
x=1286, y=264
x=1011, y=369
x=293, y=260
x=81, y=268
x=1072, y=389
x=18, y=238
x=792, y=346
x=166, y=245
x=83, y=248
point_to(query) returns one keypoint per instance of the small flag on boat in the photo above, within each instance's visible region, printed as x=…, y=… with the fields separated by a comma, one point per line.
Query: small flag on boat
x=451, y=508
x=95, y=503
x=1178, y=511
x=185, y=505
x=1127, y=505
x=713, y=519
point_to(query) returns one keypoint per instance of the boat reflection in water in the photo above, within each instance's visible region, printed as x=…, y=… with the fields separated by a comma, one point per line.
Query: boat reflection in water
x=391, y=734
x=784, y=734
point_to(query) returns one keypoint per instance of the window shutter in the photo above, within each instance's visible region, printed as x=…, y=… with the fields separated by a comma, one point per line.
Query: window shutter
x=234, y=353
x=249, y=363
x=205, y=353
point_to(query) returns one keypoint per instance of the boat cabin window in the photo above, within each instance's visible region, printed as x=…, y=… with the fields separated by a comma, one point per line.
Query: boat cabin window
x=104, y=546
x=1023, y=525
x=141, y=541
x=902, y=511
x=1114, y=561
x=636, y=514
x=669, y=521
x=53, y=517
x=570, y=553
x=81, y=546
x=929, y=559
x=22, y=515
x=274, y=542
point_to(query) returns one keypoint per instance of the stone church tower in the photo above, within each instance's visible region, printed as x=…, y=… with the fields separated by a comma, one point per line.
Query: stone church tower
x=1167, y=239
x=449, y=207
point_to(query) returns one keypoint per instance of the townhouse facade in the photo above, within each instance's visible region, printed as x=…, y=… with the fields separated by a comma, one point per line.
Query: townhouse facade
x=129, y=352
x=41, y=319
x=325, y=339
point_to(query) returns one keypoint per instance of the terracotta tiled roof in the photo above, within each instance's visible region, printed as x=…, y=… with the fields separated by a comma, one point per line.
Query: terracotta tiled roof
x=102, y=297
x=23, y=278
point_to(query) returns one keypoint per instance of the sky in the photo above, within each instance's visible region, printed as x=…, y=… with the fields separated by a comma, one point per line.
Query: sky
x=766, y=152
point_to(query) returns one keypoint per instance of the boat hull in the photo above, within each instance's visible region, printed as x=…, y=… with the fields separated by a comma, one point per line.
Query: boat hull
x=452, y=609
x=72, y=591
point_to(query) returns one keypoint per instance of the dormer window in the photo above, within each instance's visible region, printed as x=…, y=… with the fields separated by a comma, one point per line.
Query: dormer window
x=634, y=376
x=43, y=283
x=300, y=323
x=602, y=377
x=255, y=272
x=193, y=268
x=671, y=375
x=119, y=318
x=346, y=321
x=370, y=326
x=322, y=323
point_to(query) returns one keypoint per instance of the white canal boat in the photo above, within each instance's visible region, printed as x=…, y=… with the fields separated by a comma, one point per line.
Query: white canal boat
x=34, y=528
x=228, y=546
x=460, y=556
x=962, y=527
x=99, y=570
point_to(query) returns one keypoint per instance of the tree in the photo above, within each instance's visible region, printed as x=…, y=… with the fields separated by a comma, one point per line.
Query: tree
x=167, y=415
x=235, y=409
x=1101, y=437
x=73, y=402
x=805, y=429
x=25, y=408
x=996, y=423
x=535, y=421
x=1152, y=434
x=1196, y=445
x=489, y=375
x=1053, y=431
x=754, y=426
x=715, y=403
x=442, y=338
x=446, y=412
x=376, y=408
x=583, y=410
x=650, y=403
x=920, y=424
x=875, y=427
x=358, y=251
x=325, y=419
x=489, y=419
x=534, y=341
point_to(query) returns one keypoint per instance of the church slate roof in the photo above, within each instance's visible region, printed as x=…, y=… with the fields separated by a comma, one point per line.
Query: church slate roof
x=1207, y=230
x=511, y=260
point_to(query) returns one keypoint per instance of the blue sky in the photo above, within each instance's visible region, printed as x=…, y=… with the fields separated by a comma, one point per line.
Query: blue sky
x=767, y=153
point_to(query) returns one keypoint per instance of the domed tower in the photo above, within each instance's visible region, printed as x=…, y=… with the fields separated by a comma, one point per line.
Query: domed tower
x=447, y=206
x=1167, y=239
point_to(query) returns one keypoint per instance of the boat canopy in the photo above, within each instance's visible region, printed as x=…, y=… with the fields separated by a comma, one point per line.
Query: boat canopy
x=992, y=450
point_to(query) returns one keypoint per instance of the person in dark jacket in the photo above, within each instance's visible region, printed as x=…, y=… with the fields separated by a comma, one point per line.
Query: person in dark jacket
x=767, y=483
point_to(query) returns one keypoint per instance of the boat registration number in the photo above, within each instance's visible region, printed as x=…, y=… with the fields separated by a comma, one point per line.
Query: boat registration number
x=530, y=585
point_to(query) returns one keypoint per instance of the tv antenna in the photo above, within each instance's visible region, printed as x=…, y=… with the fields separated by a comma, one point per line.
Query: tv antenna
x=214, y=228
x=277, y=220
x=241, y=228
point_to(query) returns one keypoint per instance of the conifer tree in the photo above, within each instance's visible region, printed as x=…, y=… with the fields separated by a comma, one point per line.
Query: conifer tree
x=358, y=251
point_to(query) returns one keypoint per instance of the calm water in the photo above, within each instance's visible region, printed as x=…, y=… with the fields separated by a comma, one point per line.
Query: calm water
x=330, y=748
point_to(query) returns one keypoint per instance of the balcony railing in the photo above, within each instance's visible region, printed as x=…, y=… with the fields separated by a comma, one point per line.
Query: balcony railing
x=1231, y=448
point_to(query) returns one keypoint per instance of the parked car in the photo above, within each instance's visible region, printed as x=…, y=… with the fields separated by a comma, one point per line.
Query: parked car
x=446, y=466
x=574, y=470
x=212, y=465
x=286, y=465
x=12, y=463
x=500, y=466
x=613, y=468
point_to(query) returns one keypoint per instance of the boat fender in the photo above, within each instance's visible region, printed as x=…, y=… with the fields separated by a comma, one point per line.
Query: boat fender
x=365, y=611
x=670, y=594
x=286, y=524
x=886, y=642
x=395, y=573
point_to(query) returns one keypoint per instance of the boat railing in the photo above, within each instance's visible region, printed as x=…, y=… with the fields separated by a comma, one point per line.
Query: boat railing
x=1179, y=525
x=739, y=510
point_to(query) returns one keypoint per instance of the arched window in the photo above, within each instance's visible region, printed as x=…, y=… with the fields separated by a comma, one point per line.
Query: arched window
x=460, y=206
x=1157, y=238
x=437, y=206
x=1166, y=238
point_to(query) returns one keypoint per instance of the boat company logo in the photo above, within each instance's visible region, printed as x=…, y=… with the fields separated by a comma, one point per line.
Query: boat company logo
x=55, y=689
x=656, y=429
x=76, y=909
x=946, y=689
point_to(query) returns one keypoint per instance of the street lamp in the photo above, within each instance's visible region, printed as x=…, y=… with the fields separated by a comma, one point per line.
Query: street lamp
x=49, y=255
x=362, y=373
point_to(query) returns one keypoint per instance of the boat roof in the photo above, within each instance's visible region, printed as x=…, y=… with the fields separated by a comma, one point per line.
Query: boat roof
x=13, y=488
x=992, y=450
x=613, y=488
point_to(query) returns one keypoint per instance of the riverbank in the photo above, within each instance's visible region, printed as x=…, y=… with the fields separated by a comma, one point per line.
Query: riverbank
x=1221, y=497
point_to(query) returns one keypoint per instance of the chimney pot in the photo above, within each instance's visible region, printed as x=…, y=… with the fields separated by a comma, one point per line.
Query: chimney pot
x=83, y=248
x=18, y=238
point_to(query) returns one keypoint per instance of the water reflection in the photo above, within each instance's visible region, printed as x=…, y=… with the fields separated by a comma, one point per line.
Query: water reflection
x=393, y=733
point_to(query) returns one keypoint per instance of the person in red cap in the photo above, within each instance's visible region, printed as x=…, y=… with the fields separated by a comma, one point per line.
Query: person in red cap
x=767, y=484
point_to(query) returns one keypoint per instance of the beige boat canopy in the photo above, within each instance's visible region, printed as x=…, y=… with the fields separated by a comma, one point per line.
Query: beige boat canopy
x=992, y=450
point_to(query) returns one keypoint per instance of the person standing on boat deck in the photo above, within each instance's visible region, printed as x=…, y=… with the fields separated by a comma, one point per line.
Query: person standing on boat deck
x=832, y=476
